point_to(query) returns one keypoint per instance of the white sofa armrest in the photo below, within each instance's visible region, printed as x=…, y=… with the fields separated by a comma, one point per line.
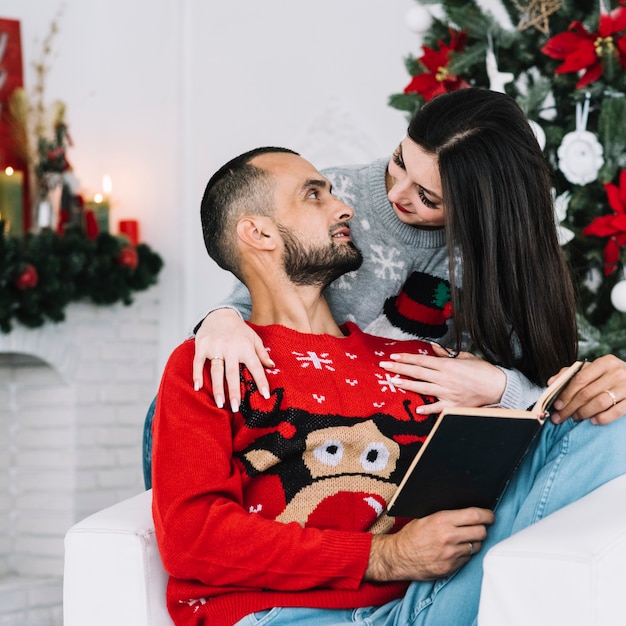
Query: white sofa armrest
x=569, y=568
x=113, y=572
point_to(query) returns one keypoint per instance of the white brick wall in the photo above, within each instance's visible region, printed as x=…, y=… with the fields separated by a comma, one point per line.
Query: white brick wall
x=70, y=439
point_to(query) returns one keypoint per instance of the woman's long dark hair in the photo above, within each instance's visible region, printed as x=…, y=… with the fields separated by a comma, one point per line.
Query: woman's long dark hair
x=517, y=300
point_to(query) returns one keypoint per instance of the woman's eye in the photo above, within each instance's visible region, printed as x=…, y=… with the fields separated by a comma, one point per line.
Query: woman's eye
x=429, y=203
x=397, y=159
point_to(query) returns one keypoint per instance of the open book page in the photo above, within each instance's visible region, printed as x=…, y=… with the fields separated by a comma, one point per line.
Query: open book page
x=550, y=394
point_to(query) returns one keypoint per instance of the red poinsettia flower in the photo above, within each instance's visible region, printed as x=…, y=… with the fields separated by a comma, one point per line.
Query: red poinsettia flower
x=582, y=50
x=612, y=226
x=28, y=277
x=438, y=79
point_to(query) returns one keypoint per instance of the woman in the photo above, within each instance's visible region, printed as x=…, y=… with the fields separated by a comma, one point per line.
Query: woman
x=471, y=173
x=491, y=185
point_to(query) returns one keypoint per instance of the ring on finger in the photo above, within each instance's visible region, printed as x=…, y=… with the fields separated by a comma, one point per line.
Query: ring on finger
x=611, y=395
x=471, y=548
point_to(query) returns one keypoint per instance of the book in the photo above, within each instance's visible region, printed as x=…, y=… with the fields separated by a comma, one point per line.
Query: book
x=471, y=454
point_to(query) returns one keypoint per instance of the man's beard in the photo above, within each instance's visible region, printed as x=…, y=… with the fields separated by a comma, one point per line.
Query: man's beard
x=317, y=265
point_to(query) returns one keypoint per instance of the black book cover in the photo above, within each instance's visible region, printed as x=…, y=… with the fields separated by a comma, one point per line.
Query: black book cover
x=470, y=456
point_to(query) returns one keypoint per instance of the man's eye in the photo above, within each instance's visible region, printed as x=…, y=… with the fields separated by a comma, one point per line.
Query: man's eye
x=314, y=195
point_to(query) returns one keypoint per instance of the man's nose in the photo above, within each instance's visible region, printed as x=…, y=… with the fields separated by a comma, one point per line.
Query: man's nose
x=345, y=212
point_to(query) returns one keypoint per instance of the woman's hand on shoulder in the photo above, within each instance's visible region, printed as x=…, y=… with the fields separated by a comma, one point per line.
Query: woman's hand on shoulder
x=596, y=393
x=226, y=340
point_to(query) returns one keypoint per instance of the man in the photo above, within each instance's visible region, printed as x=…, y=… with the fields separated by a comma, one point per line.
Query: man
x=280, y=506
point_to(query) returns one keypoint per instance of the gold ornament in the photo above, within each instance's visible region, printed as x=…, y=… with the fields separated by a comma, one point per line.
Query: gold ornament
x=535, y=13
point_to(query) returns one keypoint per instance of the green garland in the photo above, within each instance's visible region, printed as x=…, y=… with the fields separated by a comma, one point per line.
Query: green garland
x=40, y=274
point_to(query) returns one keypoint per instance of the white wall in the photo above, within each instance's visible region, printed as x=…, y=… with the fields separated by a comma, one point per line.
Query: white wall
x=162, y=92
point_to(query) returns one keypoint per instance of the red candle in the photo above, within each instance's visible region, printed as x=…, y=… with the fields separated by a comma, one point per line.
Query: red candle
x=130, y=228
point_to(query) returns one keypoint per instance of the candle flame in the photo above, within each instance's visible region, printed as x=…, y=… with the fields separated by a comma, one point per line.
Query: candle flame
x=9, y=171
x=107, y=185
x=98, y=198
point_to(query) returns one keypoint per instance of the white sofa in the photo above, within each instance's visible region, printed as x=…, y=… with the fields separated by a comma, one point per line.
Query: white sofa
x=568, y=569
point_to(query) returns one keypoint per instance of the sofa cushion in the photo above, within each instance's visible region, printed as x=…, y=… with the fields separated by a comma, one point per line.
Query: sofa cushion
x=569, y=568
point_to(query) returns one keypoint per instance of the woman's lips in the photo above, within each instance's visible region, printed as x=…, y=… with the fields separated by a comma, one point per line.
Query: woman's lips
x=401, y=208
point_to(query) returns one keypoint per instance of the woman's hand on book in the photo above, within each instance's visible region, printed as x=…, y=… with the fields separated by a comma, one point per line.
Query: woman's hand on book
x=596, y=393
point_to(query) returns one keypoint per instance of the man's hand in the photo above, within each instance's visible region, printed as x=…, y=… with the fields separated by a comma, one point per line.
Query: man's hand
x=226, y=340
x=464, y=380
x=429, y=548
x=596, y=393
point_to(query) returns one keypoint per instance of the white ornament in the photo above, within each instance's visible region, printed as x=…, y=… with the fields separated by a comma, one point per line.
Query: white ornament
x=618, y=296
x=419, y=20
x=580, y=157
x=497, y=79
x=71, y=180
x=548, y=108
x=580, y=152
x=593, y=280
x=560, y=213
x=539, y=133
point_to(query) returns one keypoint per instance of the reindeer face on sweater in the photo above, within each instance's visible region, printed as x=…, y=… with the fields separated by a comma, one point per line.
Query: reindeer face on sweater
x=319, y=470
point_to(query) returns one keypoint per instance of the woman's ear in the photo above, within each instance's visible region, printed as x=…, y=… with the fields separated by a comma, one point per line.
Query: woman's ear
x=257, y=231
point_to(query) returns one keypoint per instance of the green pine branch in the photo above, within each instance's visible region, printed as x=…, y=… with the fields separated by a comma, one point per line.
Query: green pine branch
x=69, y=268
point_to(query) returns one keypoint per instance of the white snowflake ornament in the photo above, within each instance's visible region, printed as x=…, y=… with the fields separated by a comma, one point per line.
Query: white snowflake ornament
x=580, y=153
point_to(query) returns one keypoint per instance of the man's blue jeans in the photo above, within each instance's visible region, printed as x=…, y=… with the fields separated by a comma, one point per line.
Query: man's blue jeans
x=567, y=462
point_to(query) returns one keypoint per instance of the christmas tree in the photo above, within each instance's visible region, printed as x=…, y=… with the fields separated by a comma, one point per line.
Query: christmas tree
x=564, y=61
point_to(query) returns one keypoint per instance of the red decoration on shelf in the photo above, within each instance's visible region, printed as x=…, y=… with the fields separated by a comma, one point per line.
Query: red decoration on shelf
x=438, y=79
x=130, y=228
x=11, y=72
x=128, y=258
x=612, y=226
x=12, y=77
x=91, y=225
x=582, y=50
x=28, y=277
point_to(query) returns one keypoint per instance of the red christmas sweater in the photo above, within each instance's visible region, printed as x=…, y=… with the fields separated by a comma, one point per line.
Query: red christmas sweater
x=275, y=505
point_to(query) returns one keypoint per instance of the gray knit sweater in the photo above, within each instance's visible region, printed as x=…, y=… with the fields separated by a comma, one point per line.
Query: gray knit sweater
x=394, y=254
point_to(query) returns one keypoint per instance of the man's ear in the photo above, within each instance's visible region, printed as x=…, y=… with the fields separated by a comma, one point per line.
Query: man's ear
x=257, y=231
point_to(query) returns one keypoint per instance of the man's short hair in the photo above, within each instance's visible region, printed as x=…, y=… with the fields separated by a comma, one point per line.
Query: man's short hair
x=236, y=189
